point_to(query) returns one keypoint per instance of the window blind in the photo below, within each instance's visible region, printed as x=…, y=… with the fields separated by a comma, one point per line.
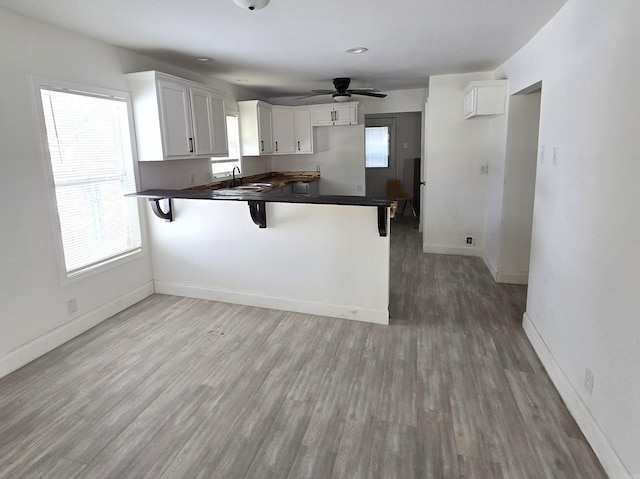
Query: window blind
x=91, y=161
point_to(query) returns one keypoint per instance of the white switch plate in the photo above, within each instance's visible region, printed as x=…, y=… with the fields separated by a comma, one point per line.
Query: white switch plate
x=556, y=154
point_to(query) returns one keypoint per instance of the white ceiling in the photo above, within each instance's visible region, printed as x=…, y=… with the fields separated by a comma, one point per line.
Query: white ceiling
x=293, y=46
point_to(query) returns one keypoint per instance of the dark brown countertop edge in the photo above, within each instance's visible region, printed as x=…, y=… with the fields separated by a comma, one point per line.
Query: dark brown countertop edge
x=255, y=196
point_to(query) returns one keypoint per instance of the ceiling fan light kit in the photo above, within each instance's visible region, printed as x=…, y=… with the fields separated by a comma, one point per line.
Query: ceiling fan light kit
x=251, y=4
x=340, y=97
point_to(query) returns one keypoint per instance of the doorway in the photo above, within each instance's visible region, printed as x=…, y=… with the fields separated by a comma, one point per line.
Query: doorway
x=404, y=153
x=521, y=158
x=380, y=154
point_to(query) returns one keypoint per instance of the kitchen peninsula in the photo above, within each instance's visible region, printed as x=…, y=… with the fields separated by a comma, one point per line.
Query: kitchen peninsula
x=316, y=254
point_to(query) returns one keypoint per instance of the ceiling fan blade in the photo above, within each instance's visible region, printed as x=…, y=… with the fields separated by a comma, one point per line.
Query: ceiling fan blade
x=358, y=90
x=323, y=92
x=370, y=93
x=315, y=94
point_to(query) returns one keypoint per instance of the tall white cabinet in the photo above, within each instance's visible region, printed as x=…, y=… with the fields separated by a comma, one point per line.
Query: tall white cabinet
x=176, y=118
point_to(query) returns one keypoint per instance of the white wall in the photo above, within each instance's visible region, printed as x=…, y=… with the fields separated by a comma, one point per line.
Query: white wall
x=582, y=308
x=33, y=311
x=319, y=259
x=511, y=189
x=338, y=153
x=456, y=149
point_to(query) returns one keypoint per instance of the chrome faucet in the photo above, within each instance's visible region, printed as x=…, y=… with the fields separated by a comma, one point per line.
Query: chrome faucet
x=235, y=182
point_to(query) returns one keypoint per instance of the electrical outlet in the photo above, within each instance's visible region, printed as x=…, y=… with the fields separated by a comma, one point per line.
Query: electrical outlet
x=588, y=380
x=192, y=178
x=484, y=169
x=72, y=306
x=470, y=241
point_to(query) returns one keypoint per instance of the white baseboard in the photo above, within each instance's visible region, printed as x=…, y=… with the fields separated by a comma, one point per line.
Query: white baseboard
x=34, y=349
x=521, y=277
x=493, y=269
x=451, y=249
x=342, y=311
x=611, y=462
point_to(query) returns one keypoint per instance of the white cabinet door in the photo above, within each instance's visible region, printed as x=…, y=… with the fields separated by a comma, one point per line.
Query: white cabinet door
x=175, y=122
x=303, y=131
x=202, y=116
x=220, y=140
x=485, y=99
x=322, y=115
x=344, y=115
x=283, y=131
x=334, y=114
x=265, y=130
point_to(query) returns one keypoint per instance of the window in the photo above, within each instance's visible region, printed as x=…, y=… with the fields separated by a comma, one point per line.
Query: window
x=90, y=151
x=221, y=167
x=376, y=146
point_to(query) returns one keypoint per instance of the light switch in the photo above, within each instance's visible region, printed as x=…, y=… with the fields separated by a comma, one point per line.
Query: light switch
x=556, y=153
x=406, y=145
x=541, y=154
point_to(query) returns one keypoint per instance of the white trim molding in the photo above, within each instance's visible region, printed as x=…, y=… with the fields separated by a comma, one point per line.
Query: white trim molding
x=342, y=311
x=26, y=353
x=451, y=249
x=611, y=462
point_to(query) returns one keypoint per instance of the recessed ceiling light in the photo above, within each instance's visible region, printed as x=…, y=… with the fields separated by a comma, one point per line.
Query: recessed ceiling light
x=252, y=4
x=204, y=59
x=356, y=50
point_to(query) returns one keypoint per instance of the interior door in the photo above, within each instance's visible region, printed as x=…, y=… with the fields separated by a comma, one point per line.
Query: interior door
x=380, y=159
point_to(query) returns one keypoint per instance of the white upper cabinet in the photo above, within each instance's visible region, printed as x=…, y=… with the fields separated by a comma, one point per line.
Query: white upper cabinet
x=275, y=129
x=335, y=114
x=175, y=123
x=485, y=99
x=283, y=130
x=303, y=130
x=176, y=118
x=256, y=128
x=209, y=128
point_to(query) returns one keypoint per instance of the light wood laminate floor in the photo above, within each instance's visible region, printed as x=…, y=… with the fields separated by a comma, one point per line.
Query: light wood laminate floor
x=183, y=388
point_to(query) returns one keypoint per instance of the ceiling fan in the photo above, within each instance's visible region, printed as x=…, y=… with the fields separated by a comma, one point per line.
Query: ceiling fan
x=343, y=93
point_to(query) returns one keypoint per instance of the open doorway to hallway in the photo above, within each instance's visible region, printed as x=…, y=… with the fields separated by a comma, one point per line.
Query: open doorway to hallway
x=511, y=260
x=394, y=156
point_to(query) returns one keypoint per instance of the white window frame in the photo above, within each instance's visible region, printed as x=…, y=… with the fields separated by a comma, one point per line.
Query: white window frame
x=222, y=175
x=65, y=277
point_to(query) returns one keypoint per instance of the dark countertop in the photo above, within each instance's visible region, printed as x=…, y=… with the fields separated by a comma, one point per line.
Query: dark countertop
x=268, y=198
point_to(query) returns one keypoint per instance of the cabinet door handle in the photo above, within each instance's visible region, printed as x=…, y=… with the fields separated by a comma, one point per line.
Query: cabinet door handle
x=190, y=145
x=335, y=116
x=261, y=145
x=276, y=146
x=298, y=146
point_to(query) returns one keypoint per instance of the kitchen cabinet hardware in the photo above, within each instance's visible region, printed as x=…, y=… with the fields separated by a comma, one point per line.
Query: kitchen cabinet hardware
x=191, y=145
